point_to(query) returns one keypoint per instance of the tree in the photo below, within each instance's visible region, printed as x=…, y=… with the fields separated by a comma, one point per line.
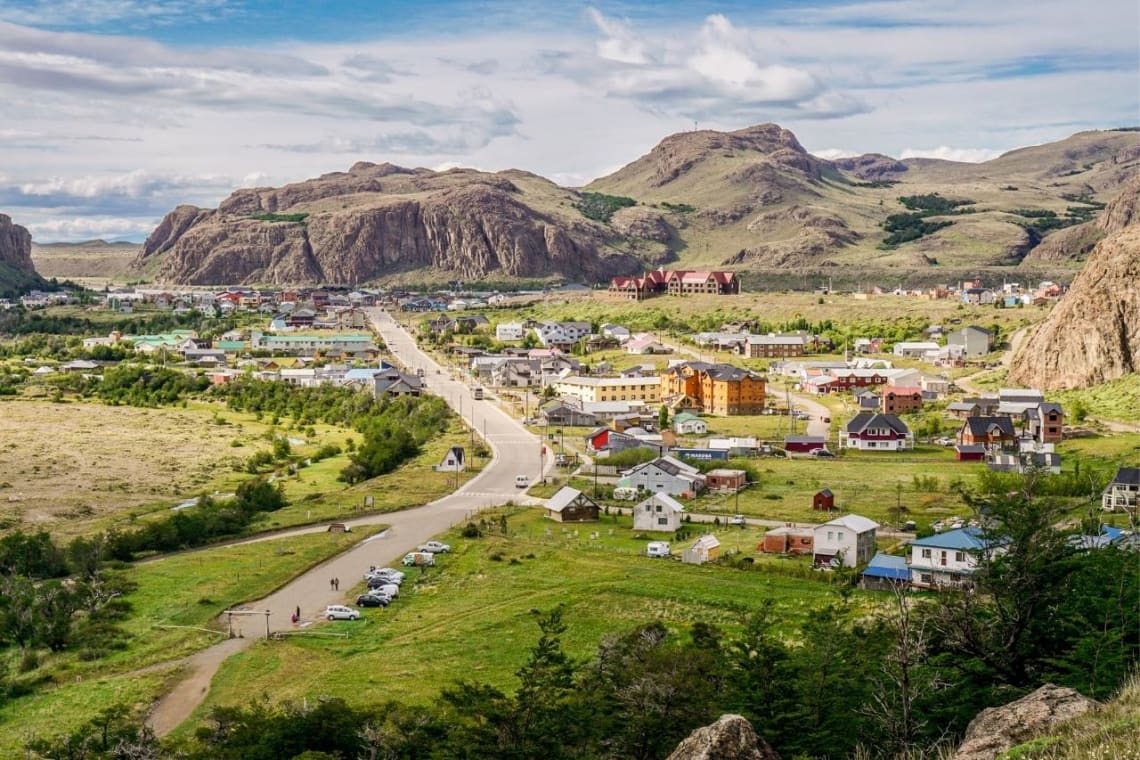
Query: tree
x=663, y=417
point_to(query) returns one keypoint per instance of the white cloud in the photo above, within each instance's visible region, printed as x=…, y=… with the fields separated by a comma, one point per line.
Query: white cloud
x=946, y=153
x=86, y=228
x=618, y=44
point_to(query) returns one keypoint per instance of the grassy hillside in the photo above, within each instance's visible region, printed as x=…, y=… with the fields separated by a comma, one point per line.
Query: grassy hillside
x=90, y=259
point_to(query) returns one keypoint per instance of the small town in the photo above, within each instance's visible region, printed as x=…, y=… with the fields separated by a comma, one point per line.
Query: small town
x=551, y=381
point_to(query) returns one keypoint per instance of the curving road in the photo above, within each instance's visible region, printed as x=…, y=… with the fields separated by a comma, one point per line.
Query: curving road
x=516, y=451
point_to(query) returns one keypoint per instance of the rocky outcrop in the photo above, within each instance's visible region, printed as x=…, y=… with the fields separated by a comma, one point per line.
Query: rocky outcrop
x=15, y=246
x=871, y=166
x=809, y=233
x=1074, y=243
x=378, y=220
x=730, y=738
x=998, y=729
x=639, y=222
x=1093, y=334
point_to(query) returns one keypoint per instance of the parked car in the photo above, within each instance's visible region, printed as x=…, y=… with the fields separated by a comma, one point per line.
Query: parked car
x=736, y=520
x=374, y=583
x=435, y=547
x=623, y=493
x=340, y=612
x=530, y=421
x=821, y=453
x=522, y=481
x=418, y=559
x=390, y=590
x=373, y=600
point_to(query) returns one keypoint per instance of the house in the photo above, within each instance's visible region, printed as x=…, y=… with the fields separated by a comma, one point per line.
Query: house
x=453, y=461
x=773, y=346
x=713, y=388
x=871, y=431
x=1123, y=492
x=975, y=341
x=736, y=446
x=1024, y=461
x=561, y=413
x=995, y=433
x=644, y=343
x=900, y=399
x=804, y=444
x=1044, y=423
x=823, y=501
x=726, y=480
x=687, y=423
x=660, y=512
x=571, y=505
x=914, y=349
x=846, y=541
x=885, y=572
x=704, y=549
x=617, y=332
x=681, y=283
x=946, y=559
x=788, y=540
x=591, y=389
x=666, y=475
x=561, y=335
x=509, y=331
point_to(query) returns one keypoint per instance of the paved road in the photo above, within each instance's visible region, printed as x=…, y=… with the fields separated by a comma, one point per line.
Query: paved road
x=516, y=451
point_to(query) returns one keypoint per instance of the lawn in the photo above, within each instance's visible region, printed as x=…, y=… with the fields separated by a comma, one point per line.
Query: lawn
x=472, y=617
x=188, y=589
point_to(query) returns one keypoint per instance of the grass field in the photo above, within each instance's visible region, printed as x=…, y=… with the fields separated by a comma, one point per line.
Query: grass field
x=1115, y=400
x=473, y=616
x=181, y=590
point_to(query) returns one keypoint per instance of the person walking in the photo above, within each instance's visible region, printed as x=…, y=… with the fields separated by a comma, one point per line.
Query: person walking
x=336, y=584
x=332, y=584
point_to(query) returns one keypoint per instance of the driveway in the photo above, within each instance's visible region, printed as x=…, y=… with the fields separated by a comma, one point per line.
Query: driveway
x=515, y=451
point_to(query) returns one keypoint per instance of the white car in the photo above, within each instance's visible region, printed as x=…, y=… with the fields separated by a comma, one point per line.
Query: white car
x=736, y=520
x=522, y=481
x=340, y=612
x=435, y=547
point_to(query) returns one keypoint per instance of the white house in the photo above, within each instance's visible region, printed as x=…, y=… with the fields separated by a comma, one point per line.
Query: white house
x=453, y=460
x=617, y=332
x=914, y=349
x=686, y=423
x=665, y=475
x=704, y=549
x=509, y=331
x=847, y=540
x=946, y=559
x=644, y=343
x=660, y=512
x=1124, y=490
x=561, y=333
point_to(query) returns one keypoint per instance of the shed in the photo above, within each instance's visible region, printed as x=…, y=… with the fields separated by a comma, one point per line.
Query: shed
x=571, y=505
x=884, y=572
x=660, y=512
x=823, y=501
x=704, y=549
x=965, y=452
x=725, y=480
x=788, y=540
x=803, y=444
x=453, y=461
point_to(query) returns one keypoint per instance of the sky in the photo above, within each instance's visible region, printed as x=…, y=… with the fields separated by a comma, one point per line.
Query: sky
x=113, y=112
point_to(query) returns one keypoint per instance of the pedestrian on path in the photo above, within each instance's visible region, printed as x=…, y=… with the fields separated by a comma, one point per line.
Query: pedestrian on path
x=336, y=584
x=298, y=612
x=332, y=584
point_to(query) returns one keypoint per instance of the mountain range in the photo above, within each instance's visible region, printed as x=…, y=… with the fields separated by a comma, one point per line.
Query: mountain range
x=749, y=200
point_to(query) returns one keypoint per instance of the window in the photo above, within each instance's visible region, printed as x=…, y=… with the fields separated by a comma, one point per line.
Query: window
x=840, y=535
x=927, y=578
x=648, y=507
x=926, y=554
x=662, y=521
x=658, y=507
x=943, y=562
x=830, y=535
x=959, y=556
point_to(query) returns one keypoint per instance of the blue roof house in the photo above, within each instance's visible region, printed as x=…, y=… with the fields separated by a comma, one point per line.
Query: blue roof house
x=885, y=571
x=948, y=559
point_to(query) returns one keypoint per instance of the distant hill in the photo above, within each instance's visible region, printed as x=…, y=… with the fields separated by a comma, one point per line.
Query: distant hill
x=90, y=258
x=17, y=274
x=752, y=200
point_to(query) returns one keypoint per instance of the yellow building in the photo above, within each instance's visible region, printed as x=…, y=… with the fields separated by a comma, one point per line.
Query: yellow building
x=591, y=389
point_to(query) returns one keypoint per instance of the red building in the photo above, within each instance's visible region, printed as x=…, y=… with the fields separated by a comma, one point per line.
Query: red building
x=823, y=501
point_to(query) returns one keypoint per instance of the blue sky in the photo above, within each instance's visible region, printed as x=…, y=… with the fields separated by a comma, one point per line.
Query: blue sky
x=117, y=110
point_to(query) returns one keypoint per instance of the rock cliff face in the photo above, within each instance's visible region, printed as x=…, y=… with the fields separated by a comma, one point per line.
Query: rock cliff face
x=731, y=737
x=1001, y=728
x=1093, y=334
x=379, y=220
x=1073, y=243
x=15, y=246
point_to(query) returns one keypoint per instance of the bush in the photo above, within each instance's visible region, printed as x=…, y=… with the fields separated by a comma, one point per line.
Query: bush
x=471, y=530
x=601, y=207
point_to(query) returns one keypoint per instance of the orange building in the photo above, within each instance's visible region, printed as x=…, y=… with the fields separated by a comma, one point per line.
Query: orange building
x=713, y=388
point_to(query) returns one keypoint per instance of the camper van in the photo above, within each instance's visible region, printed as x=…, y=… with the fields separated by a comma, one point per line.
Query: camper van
x=623, y=493
x=657, y=549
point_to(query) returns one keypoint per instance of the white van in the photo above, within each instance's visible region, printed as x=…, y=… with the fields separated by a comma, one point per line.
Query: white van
x=522, y=481
x=622, y=493
x=657, y=549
